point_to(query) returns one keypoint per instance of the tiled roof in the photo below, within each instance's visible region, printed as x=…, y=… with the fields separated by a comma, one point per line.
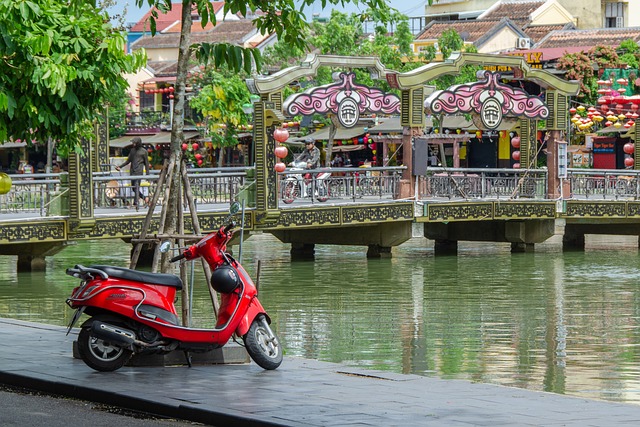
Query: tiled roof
x=470, y=31
x=168, y=20
x=600, y=36
x=234, y=32
x=163, y=68
x=514, y=9
x=537, y=32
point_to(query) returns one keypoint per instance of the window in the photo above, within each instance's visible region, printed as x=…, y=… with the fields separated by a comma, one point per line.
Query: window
x=614, y=15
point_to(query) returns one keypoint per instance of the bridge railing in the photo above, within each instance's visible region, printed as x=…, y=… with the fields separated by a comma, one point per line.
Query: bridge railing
x=342, y=183
x=39, y=193
x=604, y=184
x=467, y=184
x=208, y=186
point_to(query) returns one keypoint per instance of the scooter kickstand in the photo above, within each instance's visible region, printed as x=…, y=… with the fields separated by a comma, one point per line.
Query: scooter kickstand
x=187, y=355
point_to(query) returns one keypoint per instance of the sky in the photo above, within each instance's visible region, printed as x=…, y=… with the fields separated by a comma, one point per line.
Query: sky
x=408, y=7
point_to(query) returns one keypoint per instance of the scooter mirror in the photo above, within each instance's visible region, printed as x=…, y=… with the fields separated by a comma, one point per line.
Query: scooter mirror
x=165, y=246
x=234, y=208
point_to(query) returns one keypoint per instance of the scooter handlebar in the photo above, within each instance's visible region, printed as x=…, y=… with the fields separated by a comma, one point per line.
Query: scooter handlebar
x=229, y=227
x=177, y=257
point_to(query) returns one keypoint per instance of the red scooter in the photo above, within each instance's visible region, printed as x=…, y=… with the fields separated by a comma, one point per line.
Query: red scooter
x=133, y=311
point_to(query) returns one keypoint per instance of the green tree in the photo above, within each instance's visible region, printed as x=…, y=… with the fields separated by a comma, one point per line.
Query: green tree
x=220, y=102
x=60, y=66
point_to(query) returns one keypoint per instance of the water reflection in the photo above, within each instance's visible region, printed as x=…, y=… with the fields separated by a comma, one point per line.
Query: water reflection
x=563, y=323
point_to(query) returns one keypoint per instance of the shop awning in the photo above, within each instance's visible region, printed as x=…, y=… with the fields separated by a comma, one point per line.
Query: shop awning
x=389, y=125
x=341, y=133
x=158, y=138
x=13, y=145
x=166, y=79
x=612, y=129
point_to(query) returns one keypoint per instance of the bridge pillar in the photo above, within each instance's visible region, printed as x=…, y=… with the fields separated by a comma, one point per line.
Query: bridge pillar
x=378, y=238
x=521, y=233
x=31, y=256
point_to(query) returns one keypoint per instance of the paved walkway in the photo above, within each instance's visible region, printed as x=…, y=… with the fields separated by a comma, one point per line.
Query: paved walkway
x=300, y=393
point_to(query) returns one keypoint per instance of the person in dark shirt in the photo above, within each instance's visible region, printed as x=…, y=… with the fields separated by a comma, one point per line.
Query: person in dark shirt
x=311, y=154
x=139, y=161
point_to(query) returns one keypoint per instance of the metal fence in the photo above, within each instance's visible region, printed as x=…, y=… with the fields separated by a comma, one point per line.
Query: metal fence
x=39, y=193
x=208, y=186
x=44, y=194
x=604, y=184
x=457, y=183
x=339, y=184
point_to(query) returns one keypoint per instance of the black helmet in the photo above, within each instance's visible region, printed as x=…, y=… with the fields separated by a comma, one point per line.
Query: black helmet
x=225, y=279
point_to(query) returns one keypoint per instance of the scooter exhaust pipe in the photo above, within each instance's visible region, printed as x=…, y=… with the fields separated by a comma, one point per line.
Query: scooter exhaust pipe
x=114, y=334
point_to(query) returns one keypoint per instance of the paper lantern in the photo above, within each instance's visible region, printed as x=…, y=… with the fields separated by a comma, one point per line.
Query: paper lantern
x=280, y=134
x=515, y=142
x=628, y=148
x=281, y=152
x=200, y=162
x=280, y=167
x=516, y=166
x=516, y=155
x=195, y=146
x=185, y=146
x=628, y=162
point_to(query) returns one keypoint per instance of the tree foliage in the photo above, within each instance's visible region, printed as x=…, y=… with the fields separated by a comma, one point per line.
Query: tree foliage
x=60, y=66
x=220, y=100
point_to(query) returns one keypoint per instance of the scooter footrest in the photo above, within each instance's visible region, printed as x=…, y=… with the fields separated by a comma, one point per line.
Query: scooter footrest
x=141, y=276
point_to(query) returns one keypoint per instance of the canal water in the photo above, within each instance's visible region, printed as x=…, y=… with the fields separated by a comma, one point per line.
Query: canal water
x=558, y=322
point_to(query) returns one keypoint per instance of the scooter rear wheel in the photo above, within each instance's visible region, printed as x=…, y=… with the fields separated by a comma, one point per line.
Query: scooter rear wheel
x=262, y=344
x=99, y=354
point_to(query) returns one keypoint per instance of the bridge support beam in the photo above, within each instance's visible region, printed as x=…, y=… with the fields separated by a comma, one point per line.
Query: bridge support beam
x=31, y=256
x=378, y=238
x=523, y=234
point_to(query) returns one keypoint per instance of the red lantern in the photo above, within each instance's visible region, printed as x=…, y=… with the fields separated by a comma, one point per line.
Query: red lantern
x=171, y=89
x=281, y=152
x=184, y=147
x=280, y=134
x=628, y=162
x=195, y=146
x=572, y=110
x=516, y=155
x=515, y=142
x=628, y=148
x=171, y=96
x=516, y=166
x=198, y=156
x=280, y=167
x=200, y=162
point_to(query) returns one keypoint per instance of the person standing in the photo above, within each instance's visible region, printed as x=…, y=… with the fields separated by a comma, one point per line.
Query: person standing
x=139, y=161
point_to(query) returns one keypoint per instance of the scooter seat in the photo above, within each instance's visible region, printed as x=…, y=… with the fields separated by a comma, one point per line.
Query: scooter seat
x=141, y=276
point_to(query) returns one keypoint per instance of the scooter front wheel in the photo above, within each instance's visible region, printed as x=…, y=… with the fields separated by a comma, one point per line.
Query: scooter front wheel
x=99, y=354
x=262, y=344
x=290, y=191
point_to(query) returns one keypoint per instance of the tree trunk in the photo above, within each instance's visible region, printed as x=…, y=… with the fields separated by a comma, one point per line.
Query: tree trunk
x=177, y=128
x=333, y=129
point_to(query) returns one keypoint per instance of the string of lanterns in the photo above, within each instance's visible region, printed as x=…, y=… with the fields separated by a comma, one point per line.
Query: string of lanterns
x=280, y=135
x=614, y=107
